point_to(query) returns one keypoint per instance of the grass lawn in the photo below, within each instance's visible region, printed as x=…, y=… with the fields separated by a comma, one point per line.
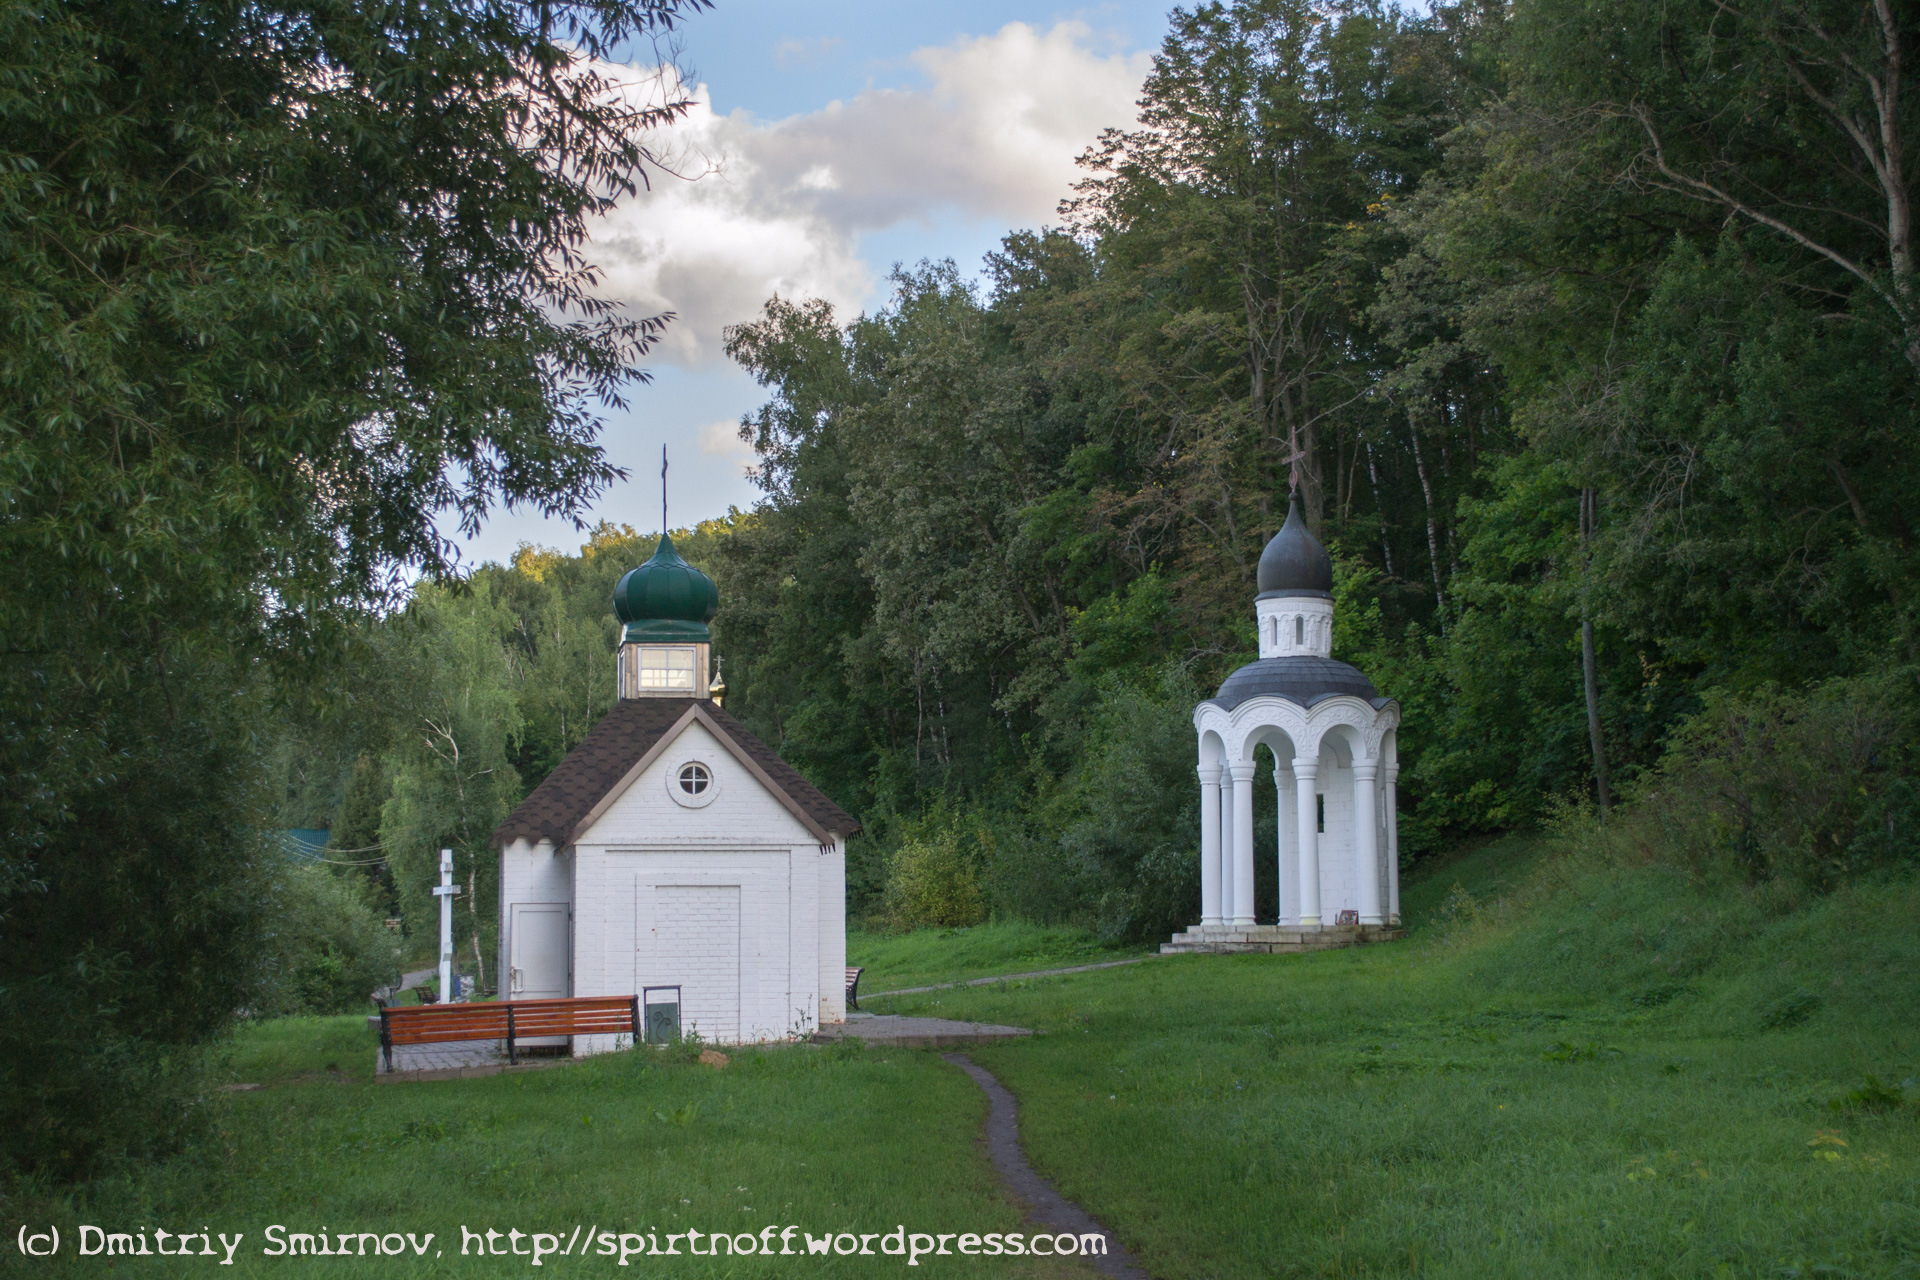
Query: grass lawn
x=953, y=955
x=830, y=1139
x=1565, y=1072
x=1615, y=1075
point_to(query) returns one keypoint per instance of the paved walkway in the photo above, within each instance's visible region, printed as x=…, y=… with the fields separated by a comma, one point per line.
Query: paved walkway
x=1045, y=1206
x=1005, y=977
x=914, y=1033
x=463, y=1059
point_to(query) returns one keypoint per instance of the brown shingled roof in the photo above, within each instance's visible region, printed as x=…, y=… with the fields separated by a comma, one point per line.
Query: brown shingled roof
x=574, y=792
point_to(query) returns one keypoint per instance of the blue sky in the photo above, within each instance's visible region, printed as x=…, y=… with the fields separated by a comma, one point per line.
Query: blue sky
x=831, y=141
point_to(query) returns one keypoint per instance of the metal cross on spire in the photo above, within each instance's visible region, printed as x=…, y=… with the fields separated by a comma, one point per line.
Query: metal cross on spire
x=663, y=491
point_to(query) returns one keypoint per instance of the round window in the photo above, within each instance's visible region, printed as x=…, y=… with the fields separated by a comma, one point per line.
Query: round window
x=692, y=783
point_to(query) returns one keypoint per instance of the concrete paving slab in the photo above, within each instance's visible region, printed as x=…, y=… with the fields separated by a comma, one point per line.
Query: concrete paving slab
x=914, y=1033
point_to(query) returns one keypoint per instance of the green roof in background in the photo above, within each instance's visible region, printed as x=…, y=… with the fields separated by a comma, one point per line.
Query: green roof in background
x=305, y=844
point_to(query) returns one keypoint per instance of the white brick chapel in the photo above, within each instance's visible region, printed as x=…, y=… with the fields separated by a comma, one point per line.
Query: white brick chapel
x=672, y=849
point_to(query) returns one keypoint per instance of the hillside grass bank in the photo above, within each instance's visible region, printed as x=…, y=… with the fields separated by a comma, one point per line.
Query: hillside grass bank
x=1572, y=1068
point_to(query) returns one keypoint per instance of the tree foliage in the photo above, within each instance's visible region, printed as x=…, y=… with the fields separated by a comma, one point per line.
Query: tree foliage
x=285, y=285
x=1530, y=389
x=1561, y=319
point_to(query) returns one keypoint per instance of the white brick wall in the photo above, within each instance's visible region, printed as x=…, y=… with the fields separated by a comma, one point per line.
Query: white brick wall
x=528, y=873
x=1339, y=891
x=696, y=930
x=647, y=879
x=832, y=872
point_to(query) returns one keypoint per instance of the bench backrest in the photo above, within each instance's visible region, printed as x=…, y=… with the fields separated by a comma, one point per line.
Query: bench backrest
x=567, y=1016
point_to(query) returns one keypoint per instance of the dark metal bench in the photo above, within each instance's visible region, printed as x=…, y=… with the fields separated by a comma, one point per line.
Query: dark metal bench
x=853, y=988
x=509, y=1020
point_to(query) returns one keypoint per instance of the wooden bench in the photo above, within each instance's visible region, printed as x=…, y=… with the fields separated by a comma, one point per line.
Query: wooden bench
x=853, y=988
x=509, y=1020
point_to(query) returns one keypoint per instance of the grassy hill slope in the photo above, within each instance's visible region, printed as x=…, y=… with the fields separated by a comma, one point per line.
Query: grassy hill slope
x=1581, y=1070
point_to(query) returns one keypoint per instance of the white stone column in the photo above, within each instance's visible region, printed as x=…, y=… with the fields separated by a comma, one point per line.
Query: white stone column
x=1393, y=844
x=1209, y=845
x=1366, y=838
x=1284, y=835
x=1307, y=812
x=1243, y=844
x=1226, y=846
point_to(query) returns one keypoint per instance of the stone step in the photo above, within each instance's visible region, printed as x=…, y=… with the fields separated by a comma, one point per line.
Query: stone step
x=1275, y=939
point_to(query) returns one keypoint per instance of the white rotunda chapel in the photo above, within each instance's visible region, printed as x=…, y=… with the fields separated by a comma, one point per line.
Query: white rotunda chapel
x=1332, y=741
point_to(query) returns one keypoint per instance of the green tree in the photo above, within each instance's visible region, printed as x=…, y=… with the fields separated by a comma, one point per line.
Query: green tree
x=453, y=780
x=286, y=284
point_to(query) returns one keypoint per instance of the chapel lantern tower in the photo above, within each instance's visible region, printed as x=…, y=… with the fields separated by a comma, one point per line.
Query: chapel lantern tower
x=664, y=607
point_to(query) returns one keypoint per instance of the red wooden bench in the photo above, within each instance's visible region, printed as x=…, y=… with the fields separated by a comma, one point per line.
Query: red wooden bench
x=509, y=1020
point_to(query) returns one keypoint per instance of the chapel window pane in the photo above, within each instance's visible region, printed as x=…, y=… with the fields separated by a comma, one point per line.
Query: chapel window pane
x=666, y=668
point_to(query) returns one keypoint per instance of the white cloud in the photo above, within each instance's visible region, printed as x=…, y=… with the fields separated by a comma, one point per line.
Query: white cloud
x=805, y=52
x=722, y=440
x=992, y=135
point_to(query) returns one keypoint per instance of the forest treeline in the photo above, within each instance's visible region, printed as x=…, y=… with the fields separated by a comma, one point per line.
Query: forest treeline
x=1586, y=332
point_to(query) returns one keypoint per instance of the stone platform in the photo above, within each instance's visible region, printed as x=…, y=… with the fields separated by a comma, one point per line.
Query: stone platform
x=458, y=1060
x=882, y=1029
x=468, y=1059
x=1276, y=939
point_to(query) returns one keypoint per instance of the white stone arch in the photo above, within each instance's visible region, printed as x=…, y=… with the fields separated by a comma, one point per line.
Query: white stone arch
x=1274, y=737
x=1355, y=717
x=1340, y=741
x=1280, y=738
x=1257, y=720
x=1213, y=751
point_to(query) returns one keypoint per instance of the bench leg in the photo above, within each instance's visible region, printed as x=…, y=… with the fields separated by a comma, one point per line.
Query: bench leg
x=513, y=1056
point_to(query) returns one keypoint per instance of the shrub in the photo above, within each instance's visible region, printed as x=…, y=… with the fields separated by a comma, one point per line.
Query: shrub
x=130, y=932
x=1873, y=1095
x=1128, y=812
x=932, y=883
x=327, y=948
x=1814, y=788
x=1791, y=1009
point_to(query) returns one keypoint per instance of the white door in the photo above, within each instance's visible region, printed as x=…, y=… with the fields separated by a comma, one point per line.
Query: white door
x=697, y=946
x=538, y=938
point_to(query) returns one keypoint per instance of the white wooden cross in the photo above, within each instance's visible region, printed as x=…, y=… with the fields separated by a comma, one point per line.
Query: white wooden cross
x=446, y=891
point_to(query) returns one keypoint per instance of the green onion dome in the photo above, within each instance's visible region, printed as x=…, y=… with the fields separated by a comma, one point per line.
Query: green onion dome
x=665, y=601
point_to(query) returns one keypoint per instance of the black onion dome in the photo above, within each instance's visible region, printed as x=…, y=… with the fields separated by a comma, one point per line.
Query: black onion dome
x=1299, y=679
x=1294, y=563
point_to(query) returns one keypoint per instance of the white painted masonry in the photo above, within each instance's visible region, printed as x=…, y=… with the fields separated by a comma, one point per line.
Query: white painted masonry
x=1329, y=753
x=683, y=852
x=1293, y=625
x=736, y=901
